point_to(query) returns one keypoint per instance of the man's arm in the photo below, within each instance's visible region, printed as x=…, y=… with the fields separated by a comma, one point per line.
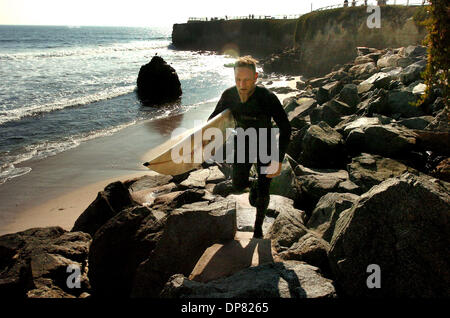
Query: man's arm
x=220, y=107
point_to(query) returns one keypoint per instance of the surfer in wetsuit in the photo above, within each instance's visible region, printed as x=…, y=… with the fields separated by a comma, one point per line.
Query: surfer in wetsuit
x=254, y=107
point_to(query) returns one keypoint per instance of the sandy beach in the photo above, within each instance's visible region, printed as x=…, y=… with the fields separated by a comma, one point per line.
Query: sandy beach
x=61, y=187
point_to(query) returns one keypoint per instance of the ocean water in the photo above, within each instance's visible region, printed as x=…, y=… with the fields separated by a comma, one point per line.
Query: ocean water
x=61, y=86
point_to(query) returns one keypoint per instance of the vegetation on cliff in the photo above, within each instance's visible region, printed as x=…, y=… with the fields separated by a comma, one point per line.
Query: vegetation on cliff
x=436, y=74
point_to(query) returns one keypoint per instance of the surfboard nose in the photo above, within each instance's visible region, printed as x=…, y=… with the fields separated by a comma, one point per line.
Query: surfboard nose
x=146, y=164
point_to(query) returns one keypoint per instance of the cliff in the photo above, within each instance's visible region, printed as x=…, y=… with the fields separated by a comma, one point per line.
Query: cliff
x=257, y=37
x=321, y=39
x=326, y=38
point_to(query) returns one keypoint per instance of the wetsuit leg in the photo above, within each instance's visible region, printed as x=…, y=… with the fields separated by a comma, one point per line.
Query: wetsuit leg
x=261, y=202
x=241, y=173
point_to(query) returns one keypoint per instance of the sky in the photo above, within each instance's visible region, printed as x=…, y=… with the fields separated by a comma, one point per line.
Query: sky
x=144, y=12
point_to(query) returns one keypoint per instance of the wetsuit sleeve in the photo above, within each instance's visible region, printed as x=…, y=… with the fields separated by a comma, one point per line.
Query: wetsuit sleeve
x=220, y=107
x=282, y=122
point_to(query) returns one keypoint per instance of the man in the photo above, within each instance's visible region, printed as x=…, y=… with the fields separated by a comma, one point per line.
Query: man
x=253, y=107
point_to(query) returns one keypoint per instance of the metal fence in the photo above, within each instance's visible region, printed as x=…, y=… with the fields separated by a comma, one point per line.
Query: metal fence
x=342, y=4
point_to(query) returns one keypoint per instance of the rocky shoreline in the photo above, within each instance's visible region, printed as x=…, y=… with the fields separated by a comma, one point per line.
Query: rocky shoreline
x=365, y=182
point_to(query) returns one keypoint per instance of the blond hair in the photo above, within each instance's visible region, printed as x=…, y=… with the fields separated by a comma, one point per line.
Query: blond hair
x=246, y=61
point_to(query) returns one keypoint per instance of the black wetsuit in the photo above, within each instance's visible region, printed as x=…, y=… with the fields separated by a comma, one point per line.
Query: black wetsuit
x=257, y=112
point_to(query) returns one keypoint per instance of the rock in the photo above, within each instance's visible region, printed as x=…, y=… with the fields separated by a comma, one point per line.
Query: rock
x=187, y=232
x=173, y=200
x=328, y=91
x=117, y=250
x=419, y=89
x=290, y=279
x=228, y=258
x=318, y=143
x=415, y=51
x=246, y=214
x=435, y=141
x=416, y=122
x=326, y=213
x=388, y=60
x=384, y=140
x=339, y=75
x=363, y=71
x=441, y=122
x=282, y=185
x=377, y=103
x=158, y=83
x=146, y=182
x=317, y=82
x=312, y=184
x=442, y=170
x=437, y=106
x=295, y=145
x=362, y=60
x=379, y=80
x=310, y=249
x=362, y=50
x=224, y=188
x=38, y=259
x=215, y=175
x=196, y=179
x=412, y=72
x=402, y=226
x=108, y=203
x=369, y=170
x=349, y=95
x=300, y=108
x=287, y=228
x=146, y=197
x=359, y=123
x=326, y=114
x=340, y=107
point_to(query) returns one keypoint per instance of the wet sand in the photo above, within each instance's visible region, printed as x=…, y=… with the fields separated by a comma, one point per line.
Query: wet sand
x=59, y=188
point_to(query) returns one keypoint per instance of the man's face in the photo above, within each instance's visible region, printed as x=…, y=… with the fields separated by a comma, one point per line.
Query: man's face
x=245, y=80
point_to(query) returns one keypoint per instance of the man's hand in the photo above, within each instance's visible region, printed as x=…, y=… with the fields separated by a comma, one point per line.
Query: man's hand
x=274, y=169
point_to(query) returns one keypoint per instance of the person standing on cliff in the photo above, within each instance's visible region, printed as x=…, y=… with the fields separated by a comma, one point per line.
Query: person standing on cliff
x=254, y=107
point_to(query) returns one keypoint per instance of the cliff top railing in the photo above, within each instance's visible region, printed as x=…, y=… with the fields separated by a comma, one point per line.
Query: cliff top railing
x=342, y=4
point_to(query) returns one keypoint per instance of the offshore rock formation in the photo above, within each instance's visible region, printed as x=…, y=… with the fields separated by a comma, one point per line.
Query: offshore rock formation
x=158, y=83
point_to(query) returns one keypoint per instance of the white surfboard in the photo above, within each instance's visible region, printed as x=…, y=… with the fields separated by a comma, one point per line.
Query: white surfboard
x=186, y=151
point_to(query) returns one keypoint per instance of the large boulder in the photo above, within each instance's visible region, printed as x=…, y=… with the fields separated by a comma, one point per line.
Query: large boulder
x=363, y=71
x=310, y=249
x=400, y=102
x=385, y=140
x=312, y=184
x=401, y=225
x=349, y=95
x=379, y=80
x=108, y=203
x=117, y=249
x=328, y=91
x=325, y=113
x=289, y=279
x=298, y=110
x=37, y=263
x=318, y=143
x=282, y=185
x=412, y=72
x=187, y=232
x=158, y=82
x=326, y=213
x=369, y=170
x=287, y=228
